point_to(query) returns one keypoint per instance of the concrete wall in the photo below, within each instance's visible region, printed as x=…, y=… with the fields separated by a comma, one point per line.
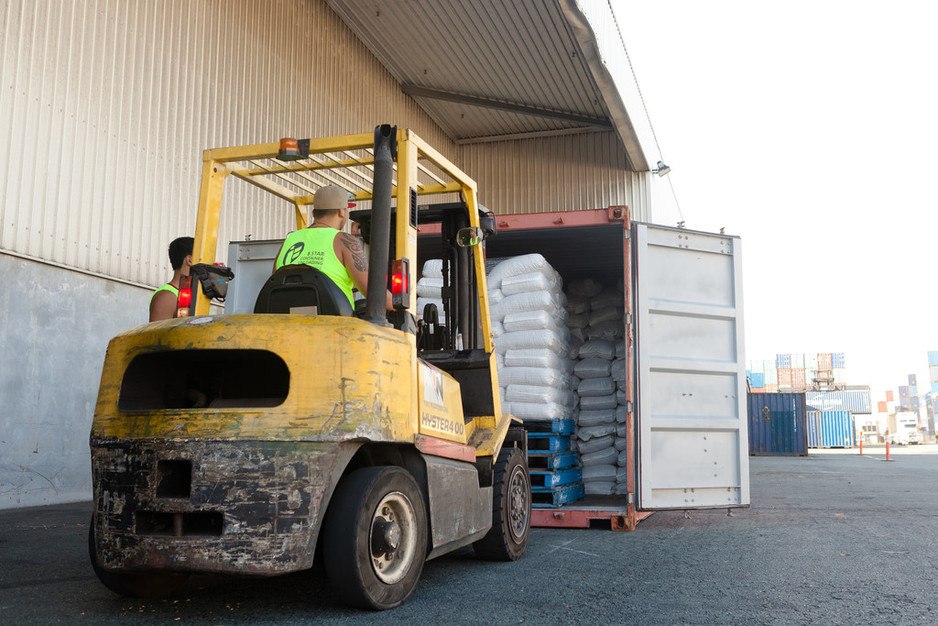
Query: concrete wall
x=54, y=329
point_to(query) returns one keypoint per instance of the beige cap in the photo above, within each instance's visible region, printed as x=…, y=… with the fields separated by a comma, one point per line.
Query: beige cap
x=331, y=197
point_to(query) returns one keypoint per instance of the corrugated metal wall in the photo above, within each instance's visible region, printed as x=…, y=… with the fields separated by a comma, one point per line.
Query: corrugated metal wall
x=105, y=108
x=562, y=173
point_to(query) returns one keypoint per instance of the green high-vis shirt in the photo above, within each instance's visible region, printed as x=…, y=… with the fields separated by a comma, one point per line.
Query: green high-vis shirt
x=314, y=247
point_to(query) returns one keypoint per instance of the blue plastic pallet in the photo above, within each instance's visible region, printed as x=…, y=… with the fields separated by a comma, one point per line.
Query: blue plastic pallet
x=547, y=481
x=548, y=442
x=562, y=495
x=556, y=461
x=555, y=426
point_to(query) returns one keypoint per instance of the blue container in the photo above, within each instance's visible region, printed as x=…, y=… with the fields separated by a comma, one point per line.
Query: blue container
x=757, y=380
x=777, y=424
x=854, y=400
x=830, y=429
x=783, y=361
x=838, y=359
x=932, y=358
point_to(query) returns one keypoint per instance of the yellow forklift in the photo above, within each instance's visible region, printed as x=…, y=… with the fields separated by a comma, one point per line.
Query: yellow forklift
x=251, y=441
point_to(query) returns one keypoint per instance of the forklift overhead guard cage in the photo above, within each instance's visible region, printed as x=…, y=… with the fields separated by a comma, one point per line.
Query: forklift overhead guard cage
x=347, y=161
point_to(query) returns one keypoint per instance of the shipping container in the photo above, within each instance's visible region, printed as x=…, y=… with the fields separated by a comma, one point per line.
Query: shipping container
x=830, y=429
x=757, y=380
x=889, y=396
x=785, y=377
x=797, y=378
x=853, y=400
x=782, y=361
x=810, y=361
x=797, y=361
x=687, y=374
x=771, y=376
x=881, y=407
x=933, y=358
x=825, y=361
x=838, y=359
x=771, y=388
x=757, y=366
x=777, y=424
x=933, y=372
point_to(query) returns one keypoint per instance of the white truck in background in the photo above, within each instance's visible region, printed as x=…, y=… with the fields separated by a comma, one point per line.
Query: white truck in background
x=906, y=430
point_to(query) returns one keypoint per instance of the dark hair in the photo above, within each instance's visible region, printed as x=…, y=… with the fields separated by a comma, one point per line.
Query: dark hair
x=319, y=214
x=179, y=249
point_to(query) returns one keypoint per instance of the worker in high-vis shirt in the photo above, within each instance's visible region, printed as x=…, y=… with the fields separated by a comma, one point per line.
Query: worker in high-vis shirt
x=324, y=246
x=163, y=300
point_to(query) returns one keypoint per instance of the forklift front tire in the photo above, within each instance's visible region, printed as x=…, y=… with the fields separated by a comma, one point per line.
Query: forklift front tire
x=511, y=509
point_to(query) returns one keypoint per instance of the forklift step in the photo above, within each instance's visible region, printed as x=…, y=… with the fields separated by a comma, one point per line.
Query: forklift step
x=555, y=426
x=548, y=442
x=547, y=461
x=542, y=481
x=557, y=497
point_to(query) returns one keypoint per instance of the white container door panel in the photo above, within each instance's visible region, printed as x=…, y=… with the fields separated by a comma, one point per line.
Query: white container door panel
x=690, y=364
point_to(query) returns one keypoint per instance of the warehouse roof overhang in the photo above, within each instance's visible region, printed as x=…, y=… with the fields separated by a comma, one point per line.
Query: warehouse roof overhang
x=492, y=70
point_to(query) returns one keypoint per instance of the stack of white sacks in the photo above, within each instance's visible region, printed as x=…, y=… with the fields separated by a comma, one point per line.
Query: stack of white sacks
x=532, y=342
x=430, y=287
x=597, y=341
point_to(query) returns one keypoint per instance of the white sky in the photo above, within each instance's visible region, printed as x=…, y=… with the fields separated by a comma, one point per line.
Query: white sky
x=810, y=129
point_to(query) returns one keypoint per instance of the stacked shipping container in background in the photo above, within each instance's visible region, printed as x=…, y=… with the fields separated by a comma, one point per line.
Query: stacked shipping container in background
x=799, y=372
x=788, y=424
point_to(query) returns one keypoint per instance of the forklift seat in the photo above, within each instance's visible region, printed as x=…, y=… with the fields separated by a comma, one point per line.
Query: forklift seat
x=299, y=286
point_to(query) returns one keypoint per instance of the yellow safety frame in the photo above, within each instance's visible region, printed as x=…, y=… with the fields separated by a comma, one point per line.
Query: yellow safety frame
x=332, y=155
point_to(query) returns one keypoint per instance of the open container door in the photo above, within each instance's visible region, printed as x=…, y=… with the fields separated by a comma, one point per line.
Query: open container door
x=690, y=383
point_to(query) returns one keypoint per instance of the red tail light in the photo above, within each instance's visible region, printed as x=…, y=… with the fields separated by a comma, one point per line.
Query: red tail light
x=184, y=300
x=399, y=276
x=400, y=284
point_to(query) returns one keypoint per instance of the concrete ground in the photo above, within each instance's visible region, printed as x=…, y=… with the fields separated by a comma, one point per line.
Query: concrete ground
x=832, y=538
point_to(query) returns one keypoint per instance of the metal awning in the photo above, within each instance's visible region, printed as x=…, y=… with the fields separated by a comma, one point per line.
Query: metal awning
x=491, y=70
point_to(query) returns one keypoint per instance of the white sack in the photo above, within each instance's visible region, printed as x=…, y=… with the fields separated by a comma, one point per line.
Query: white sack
x=433, y=268
x=586, y=287
x=524, y=339
x=530, y=320
x=594, y=445
x=592, y=368
x=599, y=348
x=430, y=287
x=597, y=403
x=532, y=281
x=531, y=376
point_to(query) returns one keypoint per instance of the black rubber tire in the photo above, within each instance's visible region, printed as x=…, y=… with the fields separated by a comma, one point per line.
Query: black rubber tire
x=353, y=513
x=511, y=509
x=134, y=584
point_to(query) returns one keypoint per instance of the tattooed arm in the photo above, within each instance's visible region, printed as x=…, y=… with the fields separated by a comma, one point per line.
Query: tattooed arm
x=351, y=252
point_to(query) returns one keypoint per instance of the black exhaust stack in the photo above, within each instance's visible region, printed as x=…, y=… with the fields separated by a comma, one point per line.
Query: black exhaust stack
x=378, y=258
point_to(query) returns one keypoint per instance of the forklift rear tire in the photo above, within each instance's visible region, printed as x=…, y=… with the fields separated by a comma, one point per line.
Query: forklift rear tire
x=511, y=509
x=134, y=584
x=375, y=539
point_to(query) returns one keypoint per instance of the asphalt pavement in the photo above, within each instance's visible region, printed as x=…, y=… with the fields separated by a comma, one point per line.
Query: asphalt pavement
x=832, y=538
